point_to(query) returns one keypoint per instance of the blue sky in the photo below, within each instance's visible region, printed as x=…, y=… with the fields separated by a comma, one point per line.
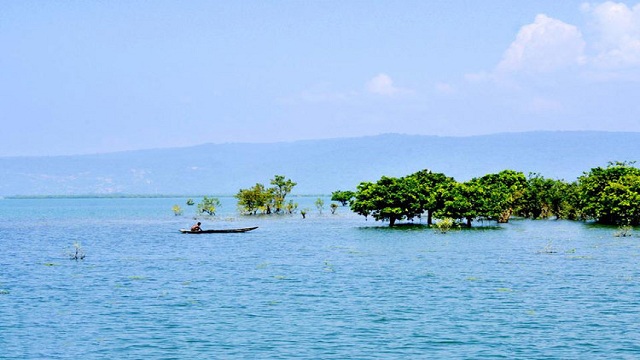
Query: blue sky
x=81, y=77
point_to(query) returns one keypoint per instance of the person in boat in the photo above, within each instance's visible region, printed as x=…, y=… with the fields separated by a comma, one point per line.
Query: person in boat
x=196, y=227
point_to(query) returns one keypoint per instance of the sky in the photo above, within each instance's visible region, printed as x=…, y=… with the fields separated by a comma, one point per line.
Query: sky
x=86, y=77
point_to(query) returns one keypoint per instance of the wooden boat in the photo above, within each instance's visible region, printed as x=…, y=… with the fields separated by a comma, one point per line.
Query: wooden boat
x=218, y=231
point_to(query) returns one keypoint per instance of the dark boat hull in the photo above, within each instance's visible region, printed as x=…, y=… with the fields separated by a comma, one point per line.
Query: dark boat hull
x=218, y=231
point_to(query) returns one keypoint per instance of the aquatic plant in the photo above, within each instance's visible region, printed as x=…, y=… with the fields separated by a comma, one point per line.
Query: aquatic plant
x=444, y=225
x=291, y=207
x=333, y=207
x=209, y=205
x=78, y=254
x=548, y=249
x=319, y=204
x=623, y=231
x=177, y=210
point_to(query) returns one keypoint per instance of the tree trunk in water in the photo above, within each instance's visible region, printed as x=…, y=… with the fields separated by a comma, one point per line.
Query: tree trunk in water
x=468, y=222
x=429, y=218
x=504, y=217
x=392, y=221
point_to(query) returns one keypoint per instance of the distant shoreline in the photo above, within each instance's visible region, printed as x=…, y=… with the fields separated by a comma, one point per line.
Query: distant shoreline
x=127, y=196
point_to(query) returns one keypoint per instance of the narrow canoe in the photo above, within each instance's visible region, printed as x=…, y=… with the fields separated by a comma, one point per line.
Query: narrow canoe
x=218, y=231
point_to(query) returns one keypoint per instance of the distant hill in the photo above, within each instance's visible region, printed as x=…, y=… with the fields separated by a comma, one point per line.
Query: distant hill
x=318, y=166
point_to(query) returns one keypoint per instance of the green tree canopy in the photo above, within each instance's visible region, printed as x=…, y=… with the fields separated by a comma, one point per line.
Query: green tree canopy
x=543, y=198
x=611, y=195
x=343, y=197
x=266, y=200
x=432, y=188
x=462, y=201
x=281, y=188
x=254, y=199
x=501, y=194
x=493, y=197
x=389, y=199
x=208, y=205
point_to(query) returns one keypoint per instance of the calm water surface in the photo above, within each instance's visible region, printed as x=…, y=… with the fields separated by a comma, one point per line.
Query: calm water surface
x=329, y=286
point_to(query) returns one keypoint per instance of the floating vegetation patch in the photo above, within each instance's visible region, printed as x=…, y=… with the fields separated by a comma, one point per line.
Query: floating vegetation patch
x=624, y=231
x=135, y=277
x=473, y=278
x=505, y=290
x=548, y=249
x=328, y=267
x=581, y=257
x=279, y=277
x=4, y=292
x=263, y=265
x=50, y=264
x=186, y=283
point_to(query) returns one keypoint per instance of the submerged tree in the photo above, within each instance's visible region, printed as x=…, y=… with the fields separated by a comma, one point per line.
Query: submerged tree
x=209, y=205
x=319, y=205
x=611, y=195
x=432, y=188
x=501, y=194
x=463, y=201
x=281, y=188
x=389, y=199
x=254, y=199
x=543, y=198
x=267, y=200
x=177, y=210
x=343, y=197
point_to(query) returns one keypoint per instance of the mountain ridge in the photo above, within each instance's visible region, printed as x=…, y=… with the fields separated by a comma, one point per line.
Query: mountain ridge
x=318, y=166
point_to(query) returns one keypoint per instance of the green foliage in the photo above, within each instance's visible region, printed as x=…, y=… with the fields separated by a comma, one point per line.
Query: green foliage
x=290, y=207
x=463, y=201
x=319, y=205
x=267, y=200
x=333, y=207
x=444, y=225
x=343, y=197
x=208, y=205
x=281, y=188
x=254, y=199
x=177, y=210
x=389, y=199
x=432, y=188
x=611, y=195
x=190, y=202
x=543, y=198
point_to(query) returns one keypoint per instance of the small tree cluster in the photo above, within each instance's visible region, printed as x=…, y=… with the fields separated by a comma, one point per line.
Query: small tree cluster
x=260, y=199
x=208, y=205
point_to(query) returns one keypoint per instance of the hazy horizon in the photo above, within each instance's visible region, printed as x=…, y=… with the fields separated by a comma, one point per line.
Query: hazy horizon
x=102, y=77
x=323, y=139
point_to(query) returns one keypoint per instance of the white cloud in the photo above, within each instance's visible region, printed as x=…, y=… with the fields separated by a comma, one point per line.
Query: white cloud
x=545, y=45
x=445, y=88
x=382, y=84
x=617, y=29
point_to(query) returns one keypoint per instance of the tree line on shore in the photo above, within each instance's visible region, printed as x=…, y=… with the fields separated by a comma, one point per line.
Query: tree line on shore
x=607, y=195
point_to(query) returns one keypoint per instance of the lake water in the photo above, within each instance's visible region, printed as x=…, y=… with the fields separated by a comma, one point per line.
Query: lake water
x=324, y=287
